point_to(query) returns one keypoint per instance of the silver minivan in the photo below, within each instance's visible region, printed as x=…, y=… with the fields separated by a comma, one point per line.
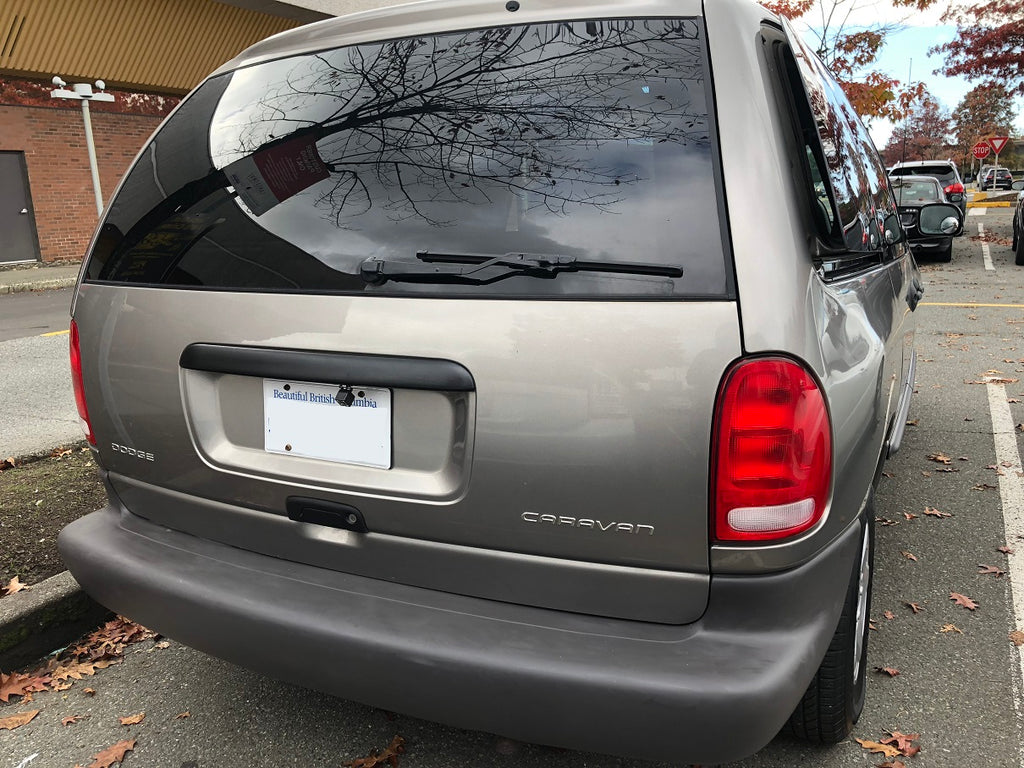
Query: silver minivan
x=523, y=366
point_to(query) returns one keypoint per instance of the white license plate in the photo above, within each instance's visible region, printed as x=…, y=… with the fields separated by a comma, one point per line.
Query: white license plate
x=303, y=419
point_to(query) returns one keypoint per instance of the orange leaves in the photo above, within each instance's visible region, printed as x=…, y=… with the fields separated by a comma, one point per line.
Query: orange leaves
x=986, y=570
x=389, y=756
x=933, y=512
x=877, y=748
x=896, y=744
x=1017, y=638
x=14, y=585
x=890, y=671
x=16, y=721
x=112, y=755
x=963, y=600
x=72, y=719
x=17, y=684
x=132, y=719
x=940, y=458
x=76, y=670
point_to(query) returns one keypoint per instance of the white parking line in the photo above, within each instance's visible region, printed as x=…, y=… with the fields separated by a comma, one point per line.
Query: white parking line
x=977, y=211
x=985, y=252
x=1011, y=491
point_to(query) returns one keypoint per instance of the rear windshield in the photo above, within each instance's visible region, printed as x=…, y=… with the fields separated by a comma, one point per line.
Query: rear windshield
x=910, y=192
x=944, y=173
x=586, y=141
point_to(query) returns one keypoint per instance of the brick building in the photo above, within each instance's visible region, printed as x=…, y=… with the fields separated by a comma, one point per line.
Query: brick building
x=149, y=52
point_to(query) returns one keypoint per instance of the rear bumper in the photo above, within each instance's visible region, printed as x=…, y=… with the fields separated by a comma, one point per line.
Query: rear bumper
x=713, y=691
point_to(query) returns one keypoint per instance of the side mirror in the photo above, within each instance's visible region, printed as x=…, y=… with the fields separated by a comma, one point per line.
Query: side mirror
x=1018, y=185
x=939, y=219
x=892, y=229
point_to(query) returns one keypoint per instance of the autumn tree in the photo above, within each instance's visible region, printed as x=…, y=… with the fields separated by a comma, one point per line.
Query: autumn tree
x=850, y=52
x=985, y=111
x=922, y=135
x=989, y=43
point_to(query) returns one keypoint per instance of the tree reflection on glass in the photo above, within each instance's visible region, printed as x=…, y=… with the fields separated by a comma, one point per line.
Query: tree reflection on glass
x=534, y=118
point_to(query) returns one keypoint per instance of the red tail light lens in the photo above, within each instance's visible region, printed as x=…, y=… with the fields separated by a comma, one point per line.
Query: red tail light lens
x=773, y=452
x=76, y=381
x=955, y=189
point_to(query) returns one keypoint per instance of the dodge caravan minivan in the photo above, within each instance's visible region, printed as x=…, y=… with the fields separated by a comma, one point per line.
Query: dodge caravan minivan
x=529, y=364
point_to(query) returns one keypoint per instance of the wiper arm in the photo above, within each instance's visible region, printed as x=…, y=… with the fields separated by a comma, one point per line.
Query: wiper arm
x=483, y=269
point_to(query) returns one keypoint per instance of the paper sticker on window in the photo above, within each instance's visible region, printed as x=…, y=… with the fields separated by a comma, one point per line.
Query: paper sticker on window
x=270, y=176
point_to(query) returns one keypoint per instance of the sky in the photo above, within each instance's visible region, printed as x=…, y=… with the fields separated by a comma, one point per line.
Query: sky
x=906, y=51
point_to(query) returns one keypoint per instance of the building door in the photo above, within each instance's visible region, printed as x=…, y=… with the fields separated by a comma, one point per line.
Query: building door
x=18, y=241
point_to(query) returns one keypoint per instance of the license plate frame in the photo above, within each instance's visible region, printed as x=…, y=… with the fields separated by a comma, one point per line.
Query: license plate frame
x=302, y=418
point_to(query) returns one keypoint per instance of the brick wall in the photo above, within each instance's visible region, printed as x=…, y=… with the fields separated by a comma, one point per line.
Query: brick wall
x=60, y=184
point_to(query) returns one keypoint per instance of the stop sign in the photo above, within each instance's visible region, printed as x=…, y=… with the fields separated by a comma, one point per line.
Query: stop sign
x=981, y=150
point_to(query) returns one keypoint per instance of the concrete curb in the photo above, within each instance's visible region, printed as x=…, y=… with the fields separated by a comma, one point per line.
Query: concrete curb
x=44, y=618
x=38, y=285
x=988, y=205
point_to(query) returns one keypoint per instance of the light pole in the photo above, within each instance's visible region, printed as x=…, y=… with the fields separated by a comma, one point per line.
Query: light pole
x=84, y=93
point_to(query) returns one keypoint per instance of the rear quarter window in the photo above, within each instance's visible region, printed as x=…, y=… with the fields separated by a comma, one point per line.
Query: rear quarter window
x=589, y=139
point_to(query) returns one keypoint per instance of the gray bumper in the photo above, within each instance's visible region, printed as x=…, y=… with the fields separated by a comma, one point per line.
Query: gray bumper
x=713, y=691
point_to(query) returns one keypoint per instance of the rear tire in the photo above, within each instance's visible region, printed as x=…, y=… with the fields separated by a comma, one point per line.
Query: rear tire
x=1019, y=260
x=835, y=698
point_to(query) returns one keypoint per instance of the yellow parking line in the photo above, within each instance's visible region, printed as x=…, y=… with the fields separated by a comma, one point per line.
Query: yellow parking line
x=967, y=304
x=55, y=333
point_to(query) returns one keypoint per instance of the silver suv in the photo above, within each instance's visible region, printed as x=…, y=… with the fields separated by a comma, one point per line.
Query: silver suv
x=524, y=368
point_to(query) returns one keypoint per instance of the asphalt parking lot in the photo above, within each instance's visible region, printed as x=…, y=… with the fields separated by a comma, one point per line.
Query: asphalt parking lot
x=949, y=523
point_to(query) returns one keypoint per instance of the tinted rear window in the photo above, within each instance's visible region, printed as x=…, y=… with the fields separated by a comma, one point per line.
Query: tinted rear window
x=942, y=172
x=916, y=192
x=586, y=139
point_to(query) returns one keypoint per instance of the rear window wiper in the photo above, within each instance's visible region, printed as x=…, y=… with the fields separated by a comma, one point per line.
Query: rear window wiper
x=483, y=269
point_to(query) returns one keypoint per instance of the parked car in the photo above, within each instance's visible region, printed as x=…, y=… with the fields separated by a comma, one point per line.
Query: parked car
x=420, y=375
x=943, y=170
x=997, y=178
x=912, y=194
x=1018, y=225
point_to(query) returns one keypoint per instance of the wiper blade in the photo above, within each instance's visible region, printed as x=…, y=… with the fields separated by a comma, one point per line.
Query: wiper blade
x=483, y=269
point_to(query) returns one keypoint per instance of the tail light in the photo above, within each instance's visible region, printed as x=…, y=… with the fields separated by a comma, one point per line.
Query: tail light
x=955, y=189
x=76, y=381
x=772, y=460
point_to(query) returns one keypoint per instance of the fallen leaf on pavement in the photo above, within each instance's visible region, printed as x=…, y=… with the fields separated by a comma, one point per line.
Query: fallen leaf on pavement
x=987, y=569
x=963, y=600
x=941, y=458
x=113, y=754
x=933, y=512
x=17, y=684
x=9, y=463
x=951, y=628
x=389, y=756
x=14, y=585
x=909, y=555
x=72, y=719
x=875, y=747
x=983, y=487
x=910, y=515
x=1017, y=638
x=885, y=522
x=132, y=719
x=915, y=607
x=1005, y=550
x=889, y=615
x=182, y=715
x=78, y=669
x=16, y=721
x=890, y=671
x=89, y=691
x=902, y=742
x=891, y=764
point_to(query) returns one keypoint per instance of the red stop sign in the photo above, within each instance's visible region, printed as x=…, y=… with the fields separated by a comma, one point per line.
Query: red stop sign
x=981, y=150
